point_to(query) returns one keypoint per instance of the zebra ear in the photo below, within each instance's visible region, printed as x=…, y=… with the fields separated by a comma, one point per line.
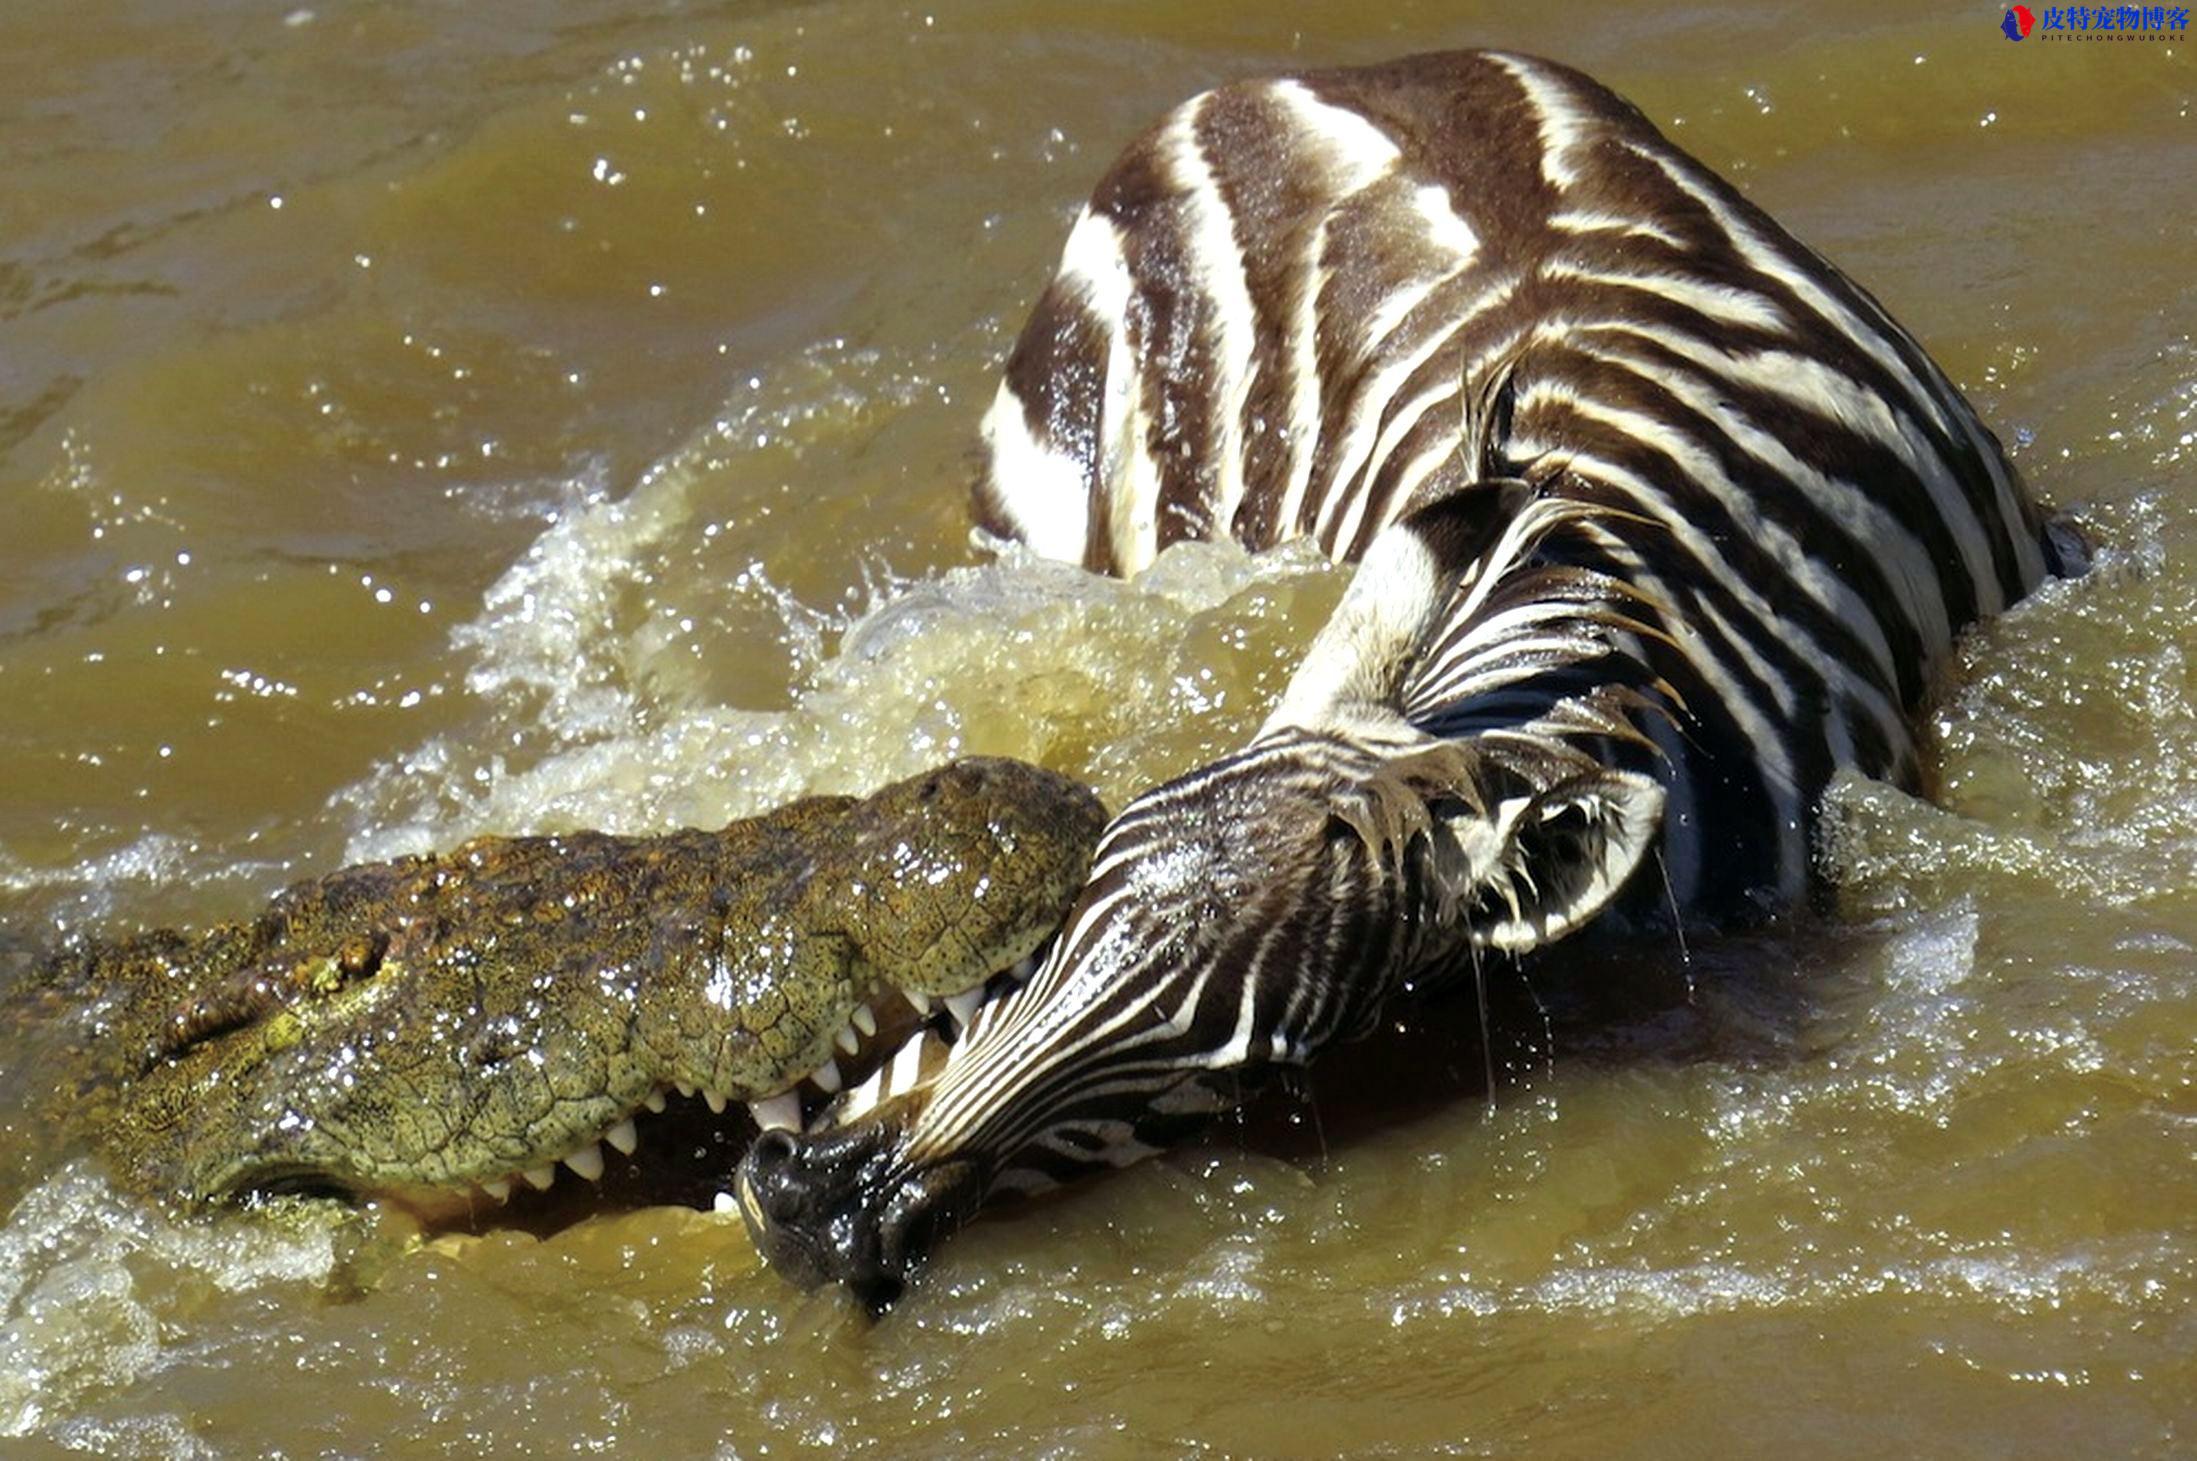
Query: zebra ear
x=1530, y=868
x=1519, y=848
x=1356, y=666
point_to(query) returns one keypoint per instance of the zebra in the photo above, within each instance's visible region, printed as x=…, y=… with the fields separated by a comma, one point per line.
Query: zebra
x=1659, y=519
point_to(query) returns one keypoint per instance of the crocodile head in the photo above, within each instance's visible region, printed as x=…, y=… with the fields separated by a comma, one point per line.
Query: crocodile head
x=432, y=1030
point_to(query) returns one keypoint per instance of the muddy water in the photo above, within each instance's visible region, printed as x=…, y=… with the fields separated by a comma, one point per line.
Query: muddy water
x=422, y=419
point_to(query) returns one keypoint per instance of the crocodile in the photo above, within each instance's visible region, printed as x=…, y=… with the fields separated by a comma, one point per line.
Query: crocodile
x=436, y=1031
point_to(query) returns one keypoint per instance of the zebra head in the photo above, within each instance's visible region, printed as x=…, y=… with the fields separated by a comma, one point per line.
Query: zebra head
x=1248, y=914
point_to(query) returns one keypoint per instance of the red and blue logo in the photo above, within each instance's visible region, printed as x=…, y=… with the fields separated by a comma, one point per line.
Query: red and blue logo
x=2097, y=23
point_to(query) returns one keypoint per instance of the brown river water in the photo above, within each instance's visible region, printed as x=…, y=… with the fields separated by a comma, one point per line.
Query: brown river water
x=420, y=418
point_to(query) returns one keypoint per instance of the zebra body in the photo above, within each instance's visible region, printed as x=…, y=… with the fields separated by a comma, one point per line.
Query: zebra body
x=1661, y=521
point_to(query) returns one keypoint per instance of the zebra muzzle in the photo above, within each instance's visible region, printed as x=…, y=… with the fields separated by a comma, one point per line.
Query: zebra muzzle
x=839, y=1206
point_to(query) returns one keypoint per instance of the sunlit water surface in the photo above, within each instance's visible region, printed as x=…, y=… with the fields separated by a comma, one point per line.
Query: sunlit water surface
x=418, y=420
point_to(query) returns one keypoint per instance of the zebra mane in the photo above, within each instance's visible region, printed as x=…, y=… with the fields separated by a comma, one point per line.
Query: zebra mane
x=1518, y=615
x=1460, y=601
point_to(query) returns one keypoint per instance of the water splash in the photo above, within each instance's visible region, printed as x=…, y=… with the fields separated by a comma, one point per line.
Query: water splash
x=91, y=1283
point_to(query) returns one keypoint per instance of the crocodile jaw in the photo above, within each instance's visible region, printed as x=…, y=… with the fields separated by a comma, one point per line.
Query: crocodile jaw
x=449, y=1032
x=665, y=1126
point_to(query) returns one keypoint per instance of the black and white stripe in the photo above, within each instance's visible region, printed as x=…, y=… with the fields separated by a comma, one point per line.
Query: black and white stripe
x=1662, y=521
x=1272, y=313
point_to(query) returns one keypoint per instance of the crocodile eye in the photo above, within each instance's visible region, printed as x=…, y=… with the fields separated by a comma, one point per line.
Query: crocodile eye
x=361, y=955
x=494, y=1047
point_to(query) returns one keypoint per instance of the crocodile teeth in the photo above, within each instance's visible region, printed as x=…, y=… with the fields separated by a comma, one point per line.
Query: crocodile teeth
x=540, y=1177
x=724, y=1202
x=716, y=1101
x=864, y=1020
x=499, y=1188
x=846, y=1041
x=781, y=1112
x=826, y=1077
x=587, y=1161
x=685, y=1089
x=922, y=1002
x=654, y=1100
x=963, y=1006
x=623, y=1136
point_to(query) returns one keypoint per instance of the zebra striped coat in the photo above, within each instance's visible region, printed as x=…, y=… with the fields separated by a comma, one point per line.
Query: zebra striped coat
x=1281, y=306
x=1661, y=520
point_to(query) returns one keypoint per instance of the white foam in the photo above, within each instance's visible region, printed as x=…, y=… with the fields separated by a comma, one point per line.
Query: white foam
x=78, y=1315
x=1015, y=657
x=85, y=893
